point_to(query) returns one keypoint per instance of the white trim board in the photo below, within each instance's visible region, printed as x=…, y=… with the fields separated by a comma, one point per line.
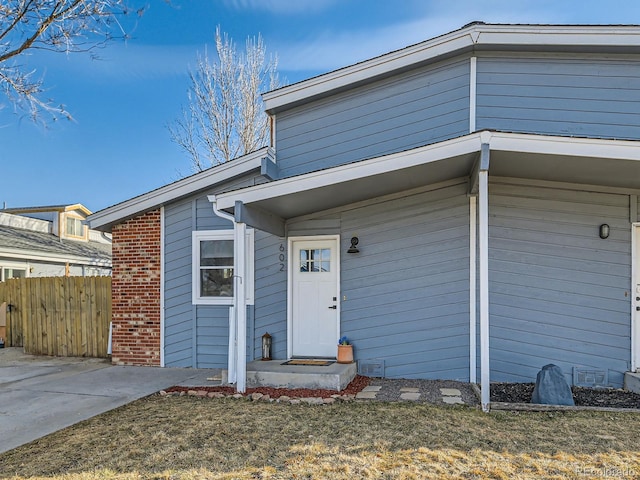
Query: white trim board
x=344, y=173
x=473, y=81
x=475, y=36
x=473, y=262
x=498, y=141
x=105, y=219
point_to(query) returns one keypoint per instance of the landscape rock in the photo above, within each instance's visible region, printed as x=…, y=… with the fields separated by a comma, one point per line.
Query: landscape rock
x=551, y=387
x=283, y=398
x=256, y=396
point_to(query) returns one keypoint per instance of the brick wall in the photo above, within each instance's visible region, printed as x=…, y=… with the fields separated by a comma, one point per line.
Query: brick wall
x=136, y=291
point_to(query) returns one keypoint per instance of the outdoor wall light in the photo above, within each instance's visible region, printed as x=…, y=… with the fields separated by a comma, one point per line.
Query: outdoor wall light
x=604, y=231
x=354, y=245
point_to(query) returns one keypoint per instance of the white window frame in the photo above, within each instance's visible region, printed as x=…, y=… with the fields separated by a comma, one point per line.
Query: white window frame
x=13, y=266
x=203, y=235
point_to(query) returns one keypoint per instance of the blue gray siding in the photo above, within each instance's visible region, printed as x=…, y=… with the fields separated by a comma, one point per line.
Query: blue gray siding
x=559, y=96
x=270, y=294
x=408, y=110
x=407, y=290
x=195, y=335
x=558, y=293
x=179, y=313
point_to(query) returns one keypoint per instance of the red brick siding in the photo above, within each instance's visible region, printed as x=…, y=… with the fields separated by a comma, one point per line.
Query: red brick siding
x=135, y=291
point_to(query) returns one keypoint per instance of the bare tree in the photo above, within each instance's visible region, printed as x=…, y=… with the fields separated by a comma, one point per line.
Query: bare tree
x=224, y=117
x=62, y=26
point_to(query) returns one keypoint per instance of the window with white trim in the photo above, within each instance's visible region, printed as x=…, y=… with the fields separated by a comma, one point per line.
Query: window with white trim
x=75, y=228
x=213, y=269
x=7, y=273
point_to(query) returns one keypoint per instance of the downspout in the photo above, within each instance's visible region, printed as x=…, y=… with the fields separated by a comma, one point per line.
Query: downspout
x=238, y=319
x=232, y=352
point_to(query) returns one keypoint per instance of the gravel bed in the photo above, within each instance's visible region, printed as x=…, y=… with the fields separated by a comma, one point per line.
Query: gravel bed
x=587, y=397
x=429, y=390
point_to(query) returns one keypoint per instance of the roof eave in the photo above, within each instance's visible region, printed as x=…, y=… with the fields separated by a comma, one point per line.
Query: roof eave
x=105, y=219
x=542, y=37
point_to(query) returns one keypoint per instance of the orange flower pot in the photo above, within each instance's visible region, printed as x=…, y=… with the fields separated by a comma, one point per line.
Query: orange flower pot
x=345, y=354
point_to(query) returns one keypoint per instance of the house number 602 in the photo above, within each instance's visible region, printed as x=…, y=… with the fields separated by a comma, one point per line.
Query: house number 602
x=281, y=257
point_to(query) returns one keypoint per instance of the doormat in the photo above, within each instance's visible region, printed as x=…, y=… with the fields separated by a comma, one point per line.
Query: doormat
x=315, y=363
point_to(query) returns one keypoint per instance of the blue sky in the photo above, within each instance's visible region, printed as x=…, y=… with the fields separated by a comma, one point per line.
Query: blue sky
x=119, y=147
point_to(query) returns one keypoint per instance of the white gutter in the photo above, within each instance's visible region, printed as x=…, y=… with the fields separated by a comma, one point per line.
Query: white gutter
x=237, y=361
x=53, y=257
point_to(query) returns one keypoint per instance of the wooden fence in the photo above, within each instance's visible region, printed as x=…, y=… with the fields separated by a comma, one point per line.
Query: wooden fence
x=62, y=316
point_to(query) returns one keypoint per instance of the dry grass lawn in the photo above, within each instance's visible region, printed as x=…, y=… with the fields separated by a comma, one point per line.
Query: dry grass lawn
x=188, y=438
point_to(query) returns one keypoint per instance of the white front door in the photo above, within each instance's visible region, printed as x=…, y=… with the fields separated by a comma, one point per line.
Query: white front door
x=314, y=306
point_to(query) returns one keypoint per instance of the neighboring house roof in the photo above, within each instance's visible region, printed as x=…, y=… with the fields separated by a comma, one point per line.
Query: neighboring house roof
x=29, y=244
x=474, y=37
x=47, y=208
x=104, y=219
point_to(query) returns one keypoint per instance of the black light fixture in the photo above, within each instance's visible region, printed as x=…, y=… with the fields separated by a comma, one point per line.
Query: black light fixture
x=604, y=231
x=354, y=245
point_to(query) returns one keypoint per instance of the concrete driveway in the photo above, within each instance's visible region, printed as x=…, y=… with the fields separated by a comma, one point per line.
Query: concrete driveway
x=40, y=395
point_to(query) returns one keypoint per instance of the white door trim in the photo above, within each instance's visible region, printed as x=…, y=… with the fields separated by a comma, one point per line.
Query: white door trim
x=635, y=279
x=290, y=262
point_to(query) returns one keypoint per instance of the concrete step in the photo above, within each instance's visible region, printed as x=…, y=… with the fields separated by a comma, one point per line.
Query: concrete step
x=273, y=374
x=632, y=382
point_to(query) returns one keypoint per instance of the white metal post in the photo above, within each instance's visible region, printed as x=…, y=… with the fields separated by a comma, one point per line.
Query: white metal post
x=240, y=303
x=483, y=242
x=232, y=357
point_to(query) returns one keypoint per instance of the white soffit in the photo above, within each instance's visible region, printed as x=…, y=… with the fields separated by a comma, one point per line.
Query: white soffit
x=471, y=37
x=566, y=159
x=456, y=147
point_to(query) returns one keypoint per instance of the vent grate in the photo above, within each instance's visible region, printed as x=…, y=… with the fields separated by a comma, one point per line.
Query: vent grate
x=586, y=377
x=371, y=368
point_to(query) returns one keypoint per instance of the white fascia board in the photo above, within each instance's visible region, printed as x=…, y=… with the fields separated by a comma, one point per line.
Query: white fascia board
x=559, y=35
x=156, y=198
x=352, y=171
x=51, y=257
x=498, y=36
x=498, y=141
x=370, y=68
x=570, y=146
